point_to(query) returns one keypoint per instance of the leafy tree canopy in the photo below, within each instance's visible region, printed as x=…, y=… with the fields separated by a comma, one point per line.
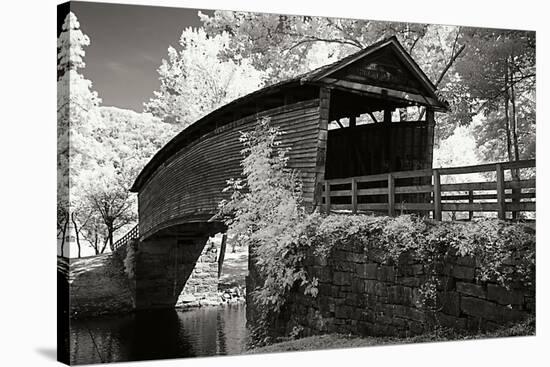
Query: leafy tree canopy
x=194, y=81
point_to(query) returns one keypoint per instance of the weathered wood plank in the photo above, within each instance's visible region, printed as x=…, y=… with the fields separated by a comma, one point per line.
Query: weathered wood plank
x=437, y=195
x=501, y=205
x=391, y=195
x=339, y=193
x=467, y=186
x=489, y=167
x=375, y=191
x=525, y=195
x=327, y=197
x=414, y=206
x=354, y=195
x=478, y=207
x=418, y=189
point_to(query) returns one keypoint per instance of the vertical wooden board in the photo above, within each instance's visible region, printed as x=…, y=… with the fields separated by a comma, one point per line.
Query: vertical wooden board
x=501, y=197
x=327, y=197
x=391, y=195
x=354, y=196
x=437, y=195
x=324, y=105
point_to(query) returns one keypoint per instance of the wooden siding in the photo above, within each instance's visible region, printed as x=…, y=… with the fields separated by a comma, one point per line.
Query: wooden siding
x=189, y=185
x=324, y=107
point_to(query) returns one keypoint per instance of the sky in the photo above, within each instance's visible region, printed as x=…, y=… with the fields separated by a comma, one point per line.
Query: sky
x=127, y=44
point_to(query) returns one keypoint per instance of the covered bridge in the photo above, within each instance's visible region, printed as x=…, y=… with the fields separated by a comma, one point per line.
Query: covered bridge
x=339, y=121
x=329, y=121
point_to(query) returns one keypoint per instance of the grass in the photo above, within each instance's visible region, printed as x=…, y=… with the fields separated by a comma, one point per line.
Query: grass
x=338, y=341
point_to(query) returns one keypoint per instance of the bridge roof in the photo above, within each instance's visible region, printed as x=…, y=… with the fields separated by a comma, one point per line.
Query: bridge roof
x=423, y=92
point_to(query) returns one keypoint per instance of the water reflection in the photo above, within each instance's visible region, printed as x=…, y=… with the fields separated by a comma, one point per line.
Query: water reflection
x=159, y=334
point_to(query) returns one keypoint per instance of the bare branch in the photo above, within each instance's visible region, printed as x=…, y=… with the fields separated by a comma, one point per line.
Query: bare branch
x=449, y=64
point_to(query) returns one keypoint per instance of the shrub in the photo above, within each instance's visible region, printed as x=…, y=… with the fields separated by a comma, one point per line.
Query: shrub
x=265, y=213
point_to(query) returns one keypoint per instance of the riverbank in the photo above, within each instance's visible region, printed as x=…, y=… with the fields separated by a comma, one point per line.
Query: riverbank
x=339, y=341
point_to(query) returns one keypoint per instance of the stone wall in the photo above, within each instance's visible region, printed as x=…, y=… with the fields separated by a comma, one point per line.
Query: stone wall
x=201, y=287
x=360, y=295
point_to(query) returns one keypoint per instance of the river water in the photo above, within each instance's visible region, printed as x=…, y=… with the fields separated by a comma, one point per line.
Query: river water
x=160, y=334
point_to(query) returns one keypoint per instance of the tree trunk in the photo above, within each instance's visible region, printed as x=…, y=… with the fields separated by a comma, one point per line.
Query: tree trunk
x=450, y=63
x=514, y=127
x=514, y=118
x=64, y=233
x=111, y=244
x=222, y=254
x=110, y=229
x=507, y=120
x=104, y=245
x=96, y=245
x=77, y=235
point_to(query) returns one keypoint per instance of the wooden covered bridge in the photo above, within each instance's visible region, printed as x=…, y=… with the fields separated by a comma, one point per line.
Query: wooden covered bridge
x=352, y=147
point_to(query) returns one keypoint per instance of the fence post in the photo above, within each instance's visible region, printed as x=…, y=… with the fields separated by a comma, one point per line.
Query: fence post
x=516, y=192
x=354, y=195
x=471, y=201
x=501, y=195
x=327, y=197
x=391, y=195
x=437, y=195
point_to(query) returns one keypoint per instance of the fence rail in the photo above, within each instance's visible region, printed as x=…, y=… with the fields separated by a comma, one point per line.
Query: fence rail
x=129, y=236
x=512, y=195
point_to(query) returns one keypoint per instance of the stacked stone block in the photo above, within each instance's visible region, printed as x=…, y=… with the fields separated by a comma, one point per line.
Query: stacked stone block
x=202, y=286
x=361, y=294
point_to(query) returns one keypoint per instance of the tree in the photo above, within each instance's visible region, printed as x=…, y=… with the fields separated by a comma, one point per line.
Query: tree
x=498, y=71
x=100, y=150
x=285, y=45
x=70, y=45
x=108, y=192
x=93, y=232
x=127, y=140
x=194, y=81
x=76, y=112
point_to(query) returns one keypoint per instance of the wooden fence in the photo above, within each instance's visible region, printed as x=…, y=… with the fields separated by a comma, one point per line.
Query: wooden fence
x=131, y=235
x=514, y=195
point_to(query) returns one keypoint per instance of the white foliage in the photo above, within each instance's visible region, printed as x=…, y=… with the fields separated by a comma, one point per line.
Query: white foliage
x=77, y=112
x=194, y=81
x=70, y=44
x=458, y=150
